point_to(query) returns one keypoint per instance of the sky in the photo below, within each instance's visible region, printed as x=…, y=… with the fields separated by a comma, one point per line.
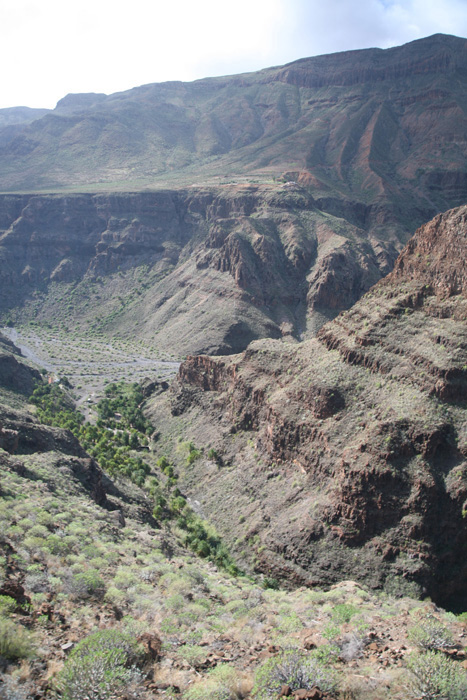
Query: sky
x=49, y=48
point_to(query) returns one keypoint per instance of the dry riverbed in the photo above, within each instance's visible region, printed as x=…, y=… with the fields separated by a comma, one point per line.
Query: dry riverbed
x=90, y=363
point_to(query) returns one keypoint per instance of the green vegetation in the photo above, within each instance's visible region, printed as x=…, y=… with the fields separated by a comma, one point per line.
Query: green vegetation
x=430, y=634
x=100, y=666
x=204, y=541
x=343, y=612
x=15, y=641
x=112, y=442
x=124, y=402
x=54, y=407
x=295, y=669
x=436, y=677
x=221, y=683
x=7, y=605
x=58, y=538
x=190, y=452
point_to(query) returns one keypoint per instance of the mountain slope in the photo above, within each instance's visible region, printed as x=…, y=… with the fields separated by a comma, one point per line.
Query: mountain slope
x=311, y=177
x=197, y=270
x=85, y=566
x=368, y=124
x=345, y=456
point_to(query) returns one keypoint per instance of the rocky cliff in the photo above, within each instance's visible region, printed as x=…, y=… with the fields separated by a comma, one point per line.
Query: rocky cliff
x=374, y=125
x=345, y=456
x=287, y=194
x=199, y=270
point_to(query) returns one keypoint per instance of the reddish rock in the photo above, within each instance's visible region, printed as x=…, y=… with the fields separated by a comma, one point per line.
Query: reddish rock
x=312, y=694
x=358, y=429
x=152, y=645
x=15, y=590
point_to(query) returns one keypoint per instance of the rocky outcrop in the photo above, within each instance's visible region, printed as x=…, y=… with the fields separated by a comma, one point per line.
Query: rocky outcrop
x=435, y=256
x=208, y=270
x=440, y=54
x=347, y=454
x=345, y=156
x=17, y=376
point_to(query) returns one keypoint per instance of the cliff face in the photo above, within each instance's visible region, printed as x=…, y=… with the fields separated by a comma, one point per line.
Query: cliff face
x=205, y=269
x=373, y=126
x=346, y=456
x=317, y=173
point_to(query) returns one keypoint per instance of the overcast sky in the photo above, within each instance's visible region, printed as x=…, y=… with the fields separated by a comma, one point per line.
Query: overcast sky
x=49, y=48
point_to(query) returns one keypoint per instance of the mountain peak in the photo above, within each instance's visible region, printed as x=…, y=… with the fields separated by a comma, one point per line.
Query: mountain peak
x=74, y=102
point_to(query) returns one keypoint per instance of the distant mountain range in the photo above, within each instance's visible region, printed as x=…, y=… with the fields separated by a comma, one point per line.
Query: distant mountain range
x=371, y=125
x=232, y=208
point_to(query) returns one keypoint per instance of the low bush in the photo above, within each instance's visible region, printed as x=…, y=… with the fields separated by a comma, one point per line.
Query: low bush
x=430, y=634
x=343, y=612
x=295, y=669
x=100, y=667
x=86, y=584
x=193, y=654
x=107, y=640
x=222, y=683
x=15, y=641
x=351, y=647
x=433, y=676
x=97, y=676
x=7, y=605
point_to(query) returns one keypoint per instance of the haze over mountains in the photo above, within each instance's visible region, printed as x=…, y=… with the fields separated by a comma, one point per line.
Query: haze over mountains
x=304, y=183
x=263, y=226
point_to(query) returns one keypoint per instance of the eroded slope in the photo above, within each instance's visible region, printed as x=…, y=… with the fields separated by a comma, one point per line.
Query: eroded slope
x=345, y=456
x=201, y=270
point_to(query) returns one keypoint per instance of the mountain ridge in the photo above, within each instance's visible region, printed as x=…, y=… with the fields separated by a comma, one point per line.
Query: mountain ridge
x=216, y=127
x=353, y=443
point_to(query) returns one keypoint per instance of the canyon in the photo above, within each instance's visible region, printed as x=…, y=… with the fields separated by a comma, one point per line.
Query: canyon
x=270, y=270
x=233, y=208
x=345, y=455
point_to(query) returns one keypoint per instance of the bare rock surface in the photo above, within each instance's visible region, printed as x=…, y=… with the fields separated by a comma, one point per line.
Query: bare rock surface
x=288, y=193
x=345, y=456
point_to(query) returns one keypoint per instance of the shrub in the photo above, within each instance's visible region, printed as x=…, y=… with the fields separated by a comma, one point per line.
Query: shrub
x=100, y=666
x=296, y=670
x=399, y=587
x=431, y=634
x=7, y=605
x=86, y=584
x=15, y=641
x=193, y=654
x=107, y=640
x=190, y=451
x=351, y=647
x=38, y=582
x=214, y=455
x=97, y=676
x=436, y=677
x=222, y=683
x=343, y=612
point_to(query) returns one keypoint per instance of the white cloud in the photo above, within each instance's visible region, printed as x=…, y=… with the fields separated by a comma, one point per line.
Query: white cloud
x=51, y=47
x=339, y=25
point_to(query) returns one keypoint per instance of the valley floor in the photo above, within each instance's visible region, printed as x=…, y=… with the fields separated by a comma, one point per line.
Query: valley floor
x=90, y=362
